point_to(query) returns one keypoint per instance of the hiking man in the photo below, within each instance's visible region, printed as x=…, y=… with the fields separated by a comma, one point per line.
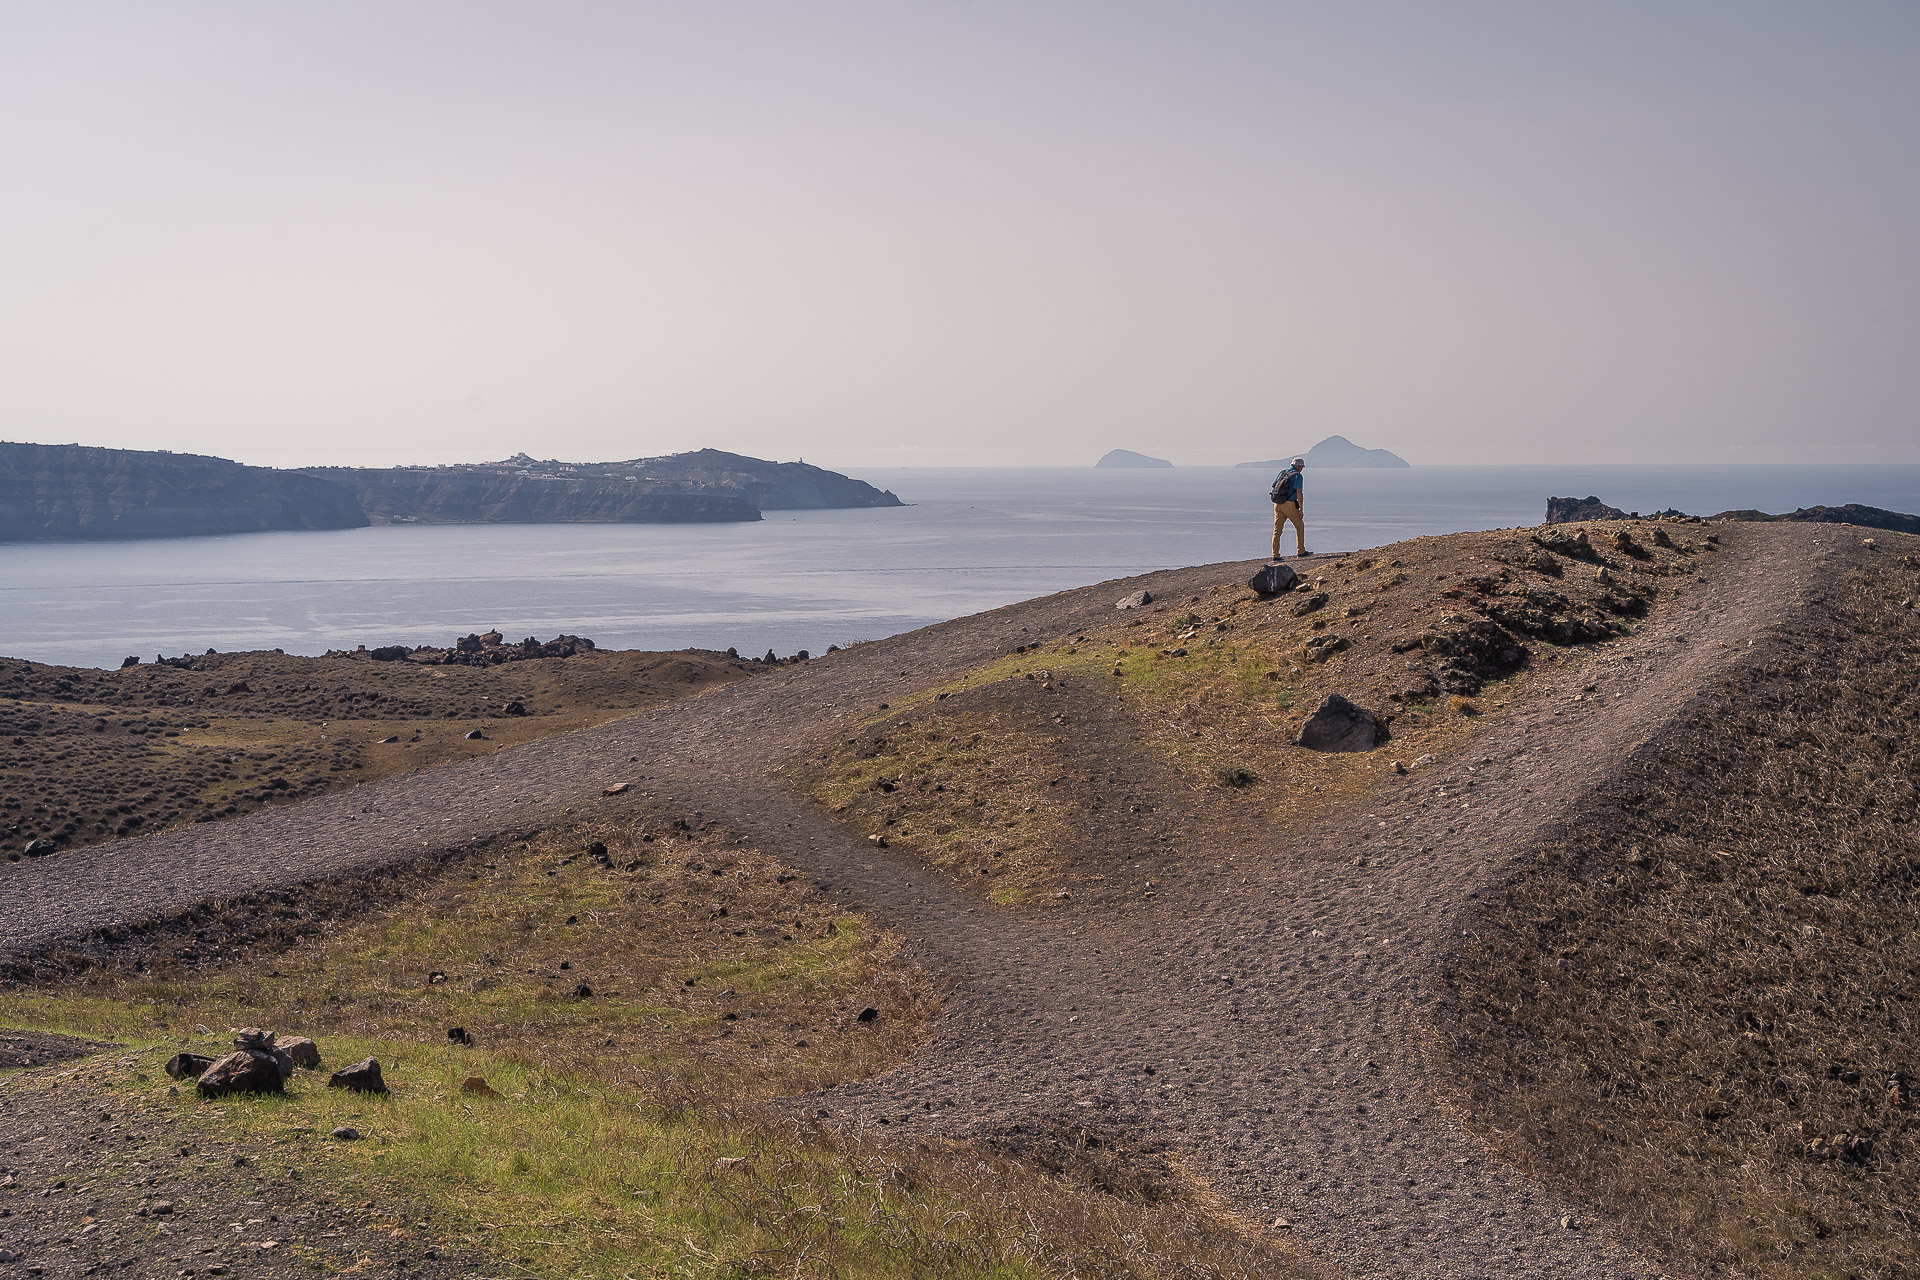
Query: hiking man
x=1285, y=493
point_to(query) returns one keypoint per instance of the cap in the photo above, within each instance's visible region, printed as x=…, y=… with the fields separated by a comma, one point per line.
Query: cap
x=1299, y=462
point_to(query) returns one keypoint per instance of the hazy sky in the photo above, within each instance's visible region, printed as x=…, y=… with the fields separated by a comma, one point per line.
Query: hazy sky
x=928, y=233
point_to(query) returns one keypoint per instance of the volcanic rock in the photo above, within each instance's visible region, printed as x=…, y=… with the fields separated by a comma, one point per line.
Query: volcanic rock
x=363, y=1076
x=243, y=1071
x=1274, y=579
x=1339, y=725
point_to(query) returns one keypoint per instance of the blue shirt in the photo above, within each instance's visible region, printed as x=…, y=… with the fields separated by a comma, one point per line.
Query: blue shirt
x=1292, y=484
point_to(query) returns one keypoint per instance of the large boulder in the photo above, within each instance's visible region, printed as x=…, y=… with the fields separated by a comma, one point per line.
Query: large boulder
x=1274, y=579
x=243, y=1071
x=1338, y=725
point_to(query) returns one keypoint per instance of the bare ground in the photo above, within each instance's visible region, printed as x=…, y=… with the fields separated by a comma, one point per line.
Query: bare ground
x=1264, y=1020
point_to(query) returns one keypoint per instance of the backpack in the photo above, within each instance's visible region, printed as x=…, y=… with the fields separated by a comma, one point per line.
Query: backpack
x=1285, y=486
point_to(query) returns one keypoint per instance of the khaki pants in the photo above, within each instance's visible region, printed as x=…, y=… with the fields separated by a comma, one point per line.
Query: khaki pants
x=1283, y=512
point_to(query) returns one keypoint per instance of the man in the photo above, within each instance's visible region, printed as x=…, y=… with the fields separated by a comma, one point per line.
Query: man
x=1286, y=495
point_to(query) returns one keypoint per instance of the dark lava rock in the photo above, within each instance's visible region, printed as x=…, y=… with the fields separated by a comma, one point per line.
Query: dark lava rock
x=363, y=1076
x=582, y=991
x=1577, y=547
x=1475, y=651
x=460, y=1036
x=514, y=708
x=868, y=1014
x=1562, y=510
x=243, y=1071
x=1623, y=542
x=1274, y=579
x=474, y=735
x=1548, y=615
x=1320, y=648
x=388, y=653
x=188, y=1066
x=39, y=848
x=1338, y=725
x=1312, y=604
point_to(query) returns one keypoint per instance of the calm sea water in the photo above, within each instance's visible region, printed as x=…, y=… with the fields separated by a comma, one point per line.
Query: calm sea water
x=973, y=539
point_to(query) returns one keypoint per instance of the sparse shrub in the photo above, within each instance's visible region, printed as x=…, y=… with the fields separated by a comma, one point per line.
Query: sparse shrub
x=1238, y=775
x=1464, y=706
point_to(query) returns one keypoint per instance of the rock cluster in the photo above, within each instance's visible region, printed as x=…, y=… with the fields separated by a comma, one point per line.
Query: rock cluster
x=261, y=1063
x=489, y=649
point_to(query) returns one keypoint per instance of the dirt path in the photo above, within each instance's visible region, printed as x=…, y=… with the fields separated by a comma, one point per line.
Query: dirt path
x=1264, y=1020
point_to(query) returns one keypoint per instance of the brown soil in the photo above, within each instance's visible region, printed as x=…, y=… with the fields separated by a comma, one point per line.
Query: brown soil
x=1696, y=1005
x=87, y=756
x=1269, y=1014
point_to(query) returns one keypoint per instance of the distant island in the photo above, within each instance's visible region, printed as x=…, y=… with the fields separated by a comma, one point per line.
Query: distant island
x=1128, y=458
x=68, y=492
x=705, y=485
x=1338, y=452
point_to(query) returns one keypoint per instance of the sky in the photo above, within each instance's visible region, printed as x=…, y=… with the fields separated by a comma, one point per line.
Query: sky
x=962, y=233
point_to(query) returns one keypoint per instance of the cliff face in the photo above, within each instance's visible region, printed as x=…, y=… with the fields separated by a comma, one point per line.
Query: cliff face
x=705, y=485
x=435, y=495
x=72, y=491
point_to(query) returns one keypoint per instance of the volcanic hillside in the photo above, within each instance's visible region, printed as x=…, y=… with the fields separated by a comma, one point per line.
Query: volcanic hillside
x=1596, y=961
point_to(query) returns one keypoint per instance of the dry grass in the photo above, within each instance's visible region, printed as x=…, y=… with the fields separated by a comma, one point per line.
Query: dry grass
x=1697, y=1008
x=601, y=1155
x=991, y=776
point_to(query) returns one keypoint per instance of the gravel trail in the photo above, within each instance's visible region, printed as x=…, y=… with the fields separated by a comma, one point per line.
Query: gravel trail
x=1263, y=1018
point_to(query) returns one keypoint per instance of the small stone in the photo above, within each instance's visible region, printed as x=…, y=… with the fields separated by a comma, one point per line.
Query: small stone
x=460, y=1036
x=346, y=1133
x=1281, y=1224
x=1137, y=600
x=163, y=1206
x=1399, y=766
x=187, y=1066
x=618, y=788
x=474, y=735
x=868, y=1014
x=1568, y=1224
x=304, y=1052
x=477, y=1084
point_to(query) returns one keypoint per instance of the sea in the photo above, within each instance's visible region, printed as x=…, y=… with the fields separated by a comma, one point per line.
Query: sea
x=968, y=540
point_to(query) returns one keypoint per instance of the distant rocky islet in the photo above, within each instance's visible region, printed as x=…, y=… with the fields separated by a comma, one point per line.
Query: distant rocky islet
x=1335, y=452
